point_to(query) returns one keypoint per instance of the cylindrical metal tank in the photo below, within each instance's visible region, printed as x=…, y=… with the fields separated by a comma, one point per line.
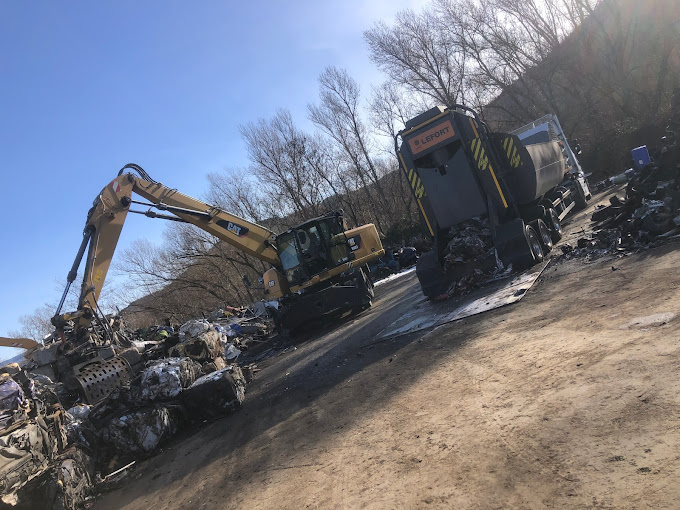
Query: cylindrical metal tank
x=542, y=168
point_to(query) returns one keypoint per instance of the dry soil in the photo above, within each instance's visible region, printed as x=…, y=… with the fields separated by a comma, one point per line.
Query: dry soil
x=568, y=399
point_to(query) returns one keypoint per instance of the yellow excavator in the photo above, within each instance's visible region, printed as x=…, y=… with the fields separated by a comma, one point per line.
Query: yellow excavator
x=317, y=267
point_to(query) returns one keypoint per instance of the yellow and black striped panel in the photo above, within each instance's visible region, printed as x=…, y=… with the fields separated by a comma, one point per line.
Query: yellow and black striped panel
x=482, y=159
x=418, y=190
x=416, y=184
x=511, y=152
x=479, y=154
x=413, y=179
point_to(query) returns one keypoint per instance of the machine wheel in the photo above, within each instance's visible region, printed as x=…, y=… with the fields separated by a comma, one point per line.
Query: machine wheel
x=552, y=220
x=580, y=196
x=368, y=286
x=535, y=244
x=433, y=280
x=543, y=235
x=529, y=250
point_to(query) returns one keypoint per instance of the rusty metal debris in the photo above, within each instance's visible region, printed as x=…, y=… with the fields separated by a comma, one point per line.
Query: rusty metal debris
x=469, y=240
x=470, y=258
x=165, y=379
x=647, y=216
x=649, y=213
x=33, y=439
x=90, y=401
x=143, y=430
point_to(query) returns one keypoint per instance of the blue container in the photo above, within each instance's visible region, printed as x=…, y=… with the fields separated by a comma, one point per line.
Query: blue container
x=640, y=156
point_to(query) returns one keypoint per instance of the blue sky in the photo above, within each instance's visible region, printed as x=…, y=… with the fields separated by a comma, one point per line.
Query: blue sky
x=86, y=87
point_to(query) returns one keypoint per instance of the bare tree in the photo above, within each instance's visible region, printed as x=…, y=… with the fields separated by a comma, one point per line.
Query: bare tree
x=190, y=272
x=391, y=107
x=237, y=192
x=278, y=151
x=338, y=115
x=328, y=164
x=415, y=53
x=36, y=325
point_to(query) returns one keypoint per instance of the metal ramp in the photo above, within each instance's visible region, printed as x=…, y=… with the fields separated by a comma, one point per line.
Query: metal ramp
x=428, y=314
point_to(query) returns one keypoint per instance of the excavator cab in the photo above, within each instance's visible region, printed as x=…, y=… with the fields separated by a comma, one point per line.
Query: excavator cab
x=312, y=248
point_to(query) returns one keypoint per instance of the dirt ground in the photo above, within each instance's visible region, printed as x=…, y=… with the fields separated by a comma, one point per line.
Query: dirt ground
x=569, y=398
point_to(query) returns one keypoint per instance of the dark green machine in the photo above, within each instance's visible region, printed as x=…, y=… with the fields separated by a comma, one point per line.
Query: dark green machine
x=458, y=171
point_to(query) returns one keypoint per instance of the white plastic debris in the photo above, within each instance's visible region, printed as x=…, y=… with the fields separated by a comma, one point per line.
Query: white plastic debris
x=231, y=352
x=142, y=431
x=166, y=378
x=80, y=412
x=193, y=328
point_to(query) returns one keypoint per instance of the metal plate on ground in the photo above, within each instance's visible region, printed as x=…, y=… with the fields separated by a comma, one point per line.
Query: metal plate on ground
x=494, y=295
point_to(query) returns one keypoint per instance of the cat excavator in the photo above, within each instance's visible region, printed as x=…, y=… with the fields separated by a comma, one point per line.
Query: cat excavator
x=317, y=267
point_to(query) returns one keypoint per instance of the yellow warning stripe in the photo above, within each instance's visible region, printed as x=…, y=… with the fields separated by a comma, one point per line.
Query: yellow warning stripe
x=472, y=123
x=511, y=151
x=414, y=180
x=429, y=227
x=498, y=187
x=483, y=162
x=510, y=146
x=411, y=175
x=479, y=153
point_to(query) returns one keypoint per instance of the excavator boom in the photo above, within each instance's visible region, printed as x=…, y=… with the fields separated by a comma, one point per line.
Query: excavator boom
x=106, y=219
x=318, y=256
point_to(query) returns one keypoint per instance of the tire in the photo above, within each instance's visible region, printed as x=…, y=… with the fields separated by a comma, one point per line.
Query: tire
x=526, y=249
x=552, y=220
x=433, y=280
x=368, y=284
x=580, y=198
x=534, y=244
x=365, y=287
x=543, y=235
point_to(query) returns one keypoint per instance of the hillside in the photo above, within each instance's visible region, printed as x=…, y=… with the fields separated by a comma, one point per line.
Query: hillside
x=610, y=82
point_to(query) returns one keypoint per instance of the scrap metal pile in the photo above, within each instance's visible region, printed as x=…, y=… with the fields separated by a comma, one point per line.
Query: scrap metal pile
x=470, y=256
x=649, y=214
x=95, y=398
x=469, y=240
x=35, y=454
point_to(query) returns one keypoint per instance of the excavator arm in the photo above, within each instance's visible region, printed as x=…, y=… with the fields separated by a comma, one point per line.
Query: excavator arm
x=106, y=219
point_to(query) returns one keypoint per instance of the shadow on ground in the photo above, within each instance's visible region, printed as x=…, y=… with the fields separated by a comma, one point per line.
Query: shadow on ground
x=287, y=385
